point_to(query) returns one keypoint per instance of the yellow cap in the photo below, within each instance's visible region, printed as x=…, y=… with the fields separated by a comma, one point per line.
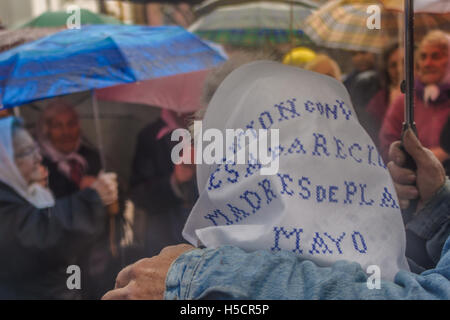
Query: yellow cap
x=299, y=56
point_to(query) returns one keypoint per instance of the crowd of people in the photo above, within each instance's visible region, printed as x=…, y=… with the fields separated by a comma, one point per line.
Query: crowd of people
x=58, y=204
x=59, y=208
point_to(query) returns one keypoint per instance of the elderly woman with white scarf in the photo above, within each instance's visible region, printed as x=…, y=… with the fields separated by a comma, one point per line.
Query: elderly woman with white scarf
x=284, y=235
x=40, y=237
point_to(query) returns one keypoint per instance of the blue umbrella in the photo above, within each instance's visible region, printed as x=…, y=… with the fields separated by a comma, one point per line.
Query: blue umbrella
x=97, y=57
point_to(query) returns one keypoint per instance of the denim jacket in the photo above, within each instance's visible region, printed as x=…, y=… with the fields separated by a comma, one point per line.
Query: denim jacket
x=427, y=231
x=231, y=273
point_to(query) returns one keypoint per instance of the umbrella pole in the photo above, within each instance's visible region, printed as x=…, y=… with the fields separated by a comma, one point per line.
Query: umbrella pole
x=98, y=130
x=409, y=65
x=408, y=87
x=408, y=83
x=113, y=209
x=401, y=44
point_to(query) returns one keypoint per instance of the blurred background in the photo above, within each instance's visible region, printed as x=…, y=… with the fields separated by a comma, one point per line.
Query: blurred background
x=27, y=20
x=290, y=31
x=108, y=92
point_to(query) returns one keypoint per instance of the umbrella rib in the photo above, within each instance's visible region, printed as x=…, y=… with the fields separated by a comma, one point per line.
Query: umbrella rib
x=123, y=55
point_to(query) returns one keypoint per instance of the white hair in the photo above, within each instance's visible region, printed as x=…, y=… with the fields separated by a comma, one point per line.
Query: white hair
x=55, y=107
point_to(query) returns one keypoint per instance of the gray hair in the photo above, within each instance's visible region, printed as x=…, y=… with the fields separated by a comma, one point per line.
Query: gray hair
x=218, y=74
x=436, y=37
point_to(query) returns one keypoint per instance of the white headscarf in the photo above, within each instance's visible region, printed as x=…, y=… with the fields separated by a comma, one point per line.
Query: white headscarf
x=35, y=194
x=332, y=198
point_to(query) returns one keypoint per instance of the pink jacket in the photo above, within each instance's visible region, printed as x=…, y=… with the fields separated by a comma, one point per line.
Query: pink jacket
x=429, y=119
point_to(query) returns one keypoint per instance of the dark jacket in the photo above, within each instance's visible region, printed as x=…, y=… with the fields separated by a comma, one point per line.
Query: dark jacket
x=99, y=266
x=160, y=214
x=62, y=186
x=152, y=164
x=37, y=245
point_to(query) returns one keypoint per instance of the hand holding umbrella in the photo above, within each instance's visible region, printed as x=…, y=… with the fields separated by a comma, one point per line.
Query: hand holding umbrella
x=107, y=188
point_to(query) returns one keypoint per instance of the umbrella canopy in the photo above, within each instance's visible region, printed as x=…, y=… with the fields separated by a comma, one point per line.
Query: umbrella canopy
x=254, y=23
x=181, y=93
x=209, y=5
x=343, y=24
x=59, y=19
x=97, y=57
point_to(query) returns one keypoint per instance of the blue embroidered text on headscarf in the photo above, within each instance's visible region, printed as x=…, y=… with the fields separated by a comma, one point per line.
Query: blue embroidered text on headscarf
x=332, y=197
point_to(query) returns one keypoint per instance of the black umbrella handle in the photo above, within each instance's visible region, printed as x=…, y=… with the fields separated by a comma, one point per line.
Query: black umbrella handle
x=409, y=162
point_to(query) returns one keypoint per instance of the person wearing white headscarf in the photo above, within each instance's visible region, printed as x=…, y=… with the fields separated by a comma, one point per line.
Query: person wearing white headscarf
x=273, y=236
x=40, y=237
x=324, y=155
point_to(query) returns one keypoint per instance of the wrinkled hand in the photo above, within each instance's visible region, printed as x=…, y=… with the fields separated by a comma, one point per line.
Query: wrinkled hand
x=422, y=184
x=107, y=187
x=146, y=279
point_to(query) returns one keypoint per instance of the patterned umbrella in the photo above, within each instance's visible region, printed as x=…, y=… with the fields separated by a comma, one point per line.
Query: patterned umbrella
x=430, y=6
x=255, y=23
x=345, y=24
x=97, y=57
x=209, y=5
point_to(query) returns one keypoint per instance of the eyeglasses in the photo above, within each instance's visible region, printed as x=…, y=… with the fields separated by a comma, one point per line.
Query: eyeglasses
x=28, y=152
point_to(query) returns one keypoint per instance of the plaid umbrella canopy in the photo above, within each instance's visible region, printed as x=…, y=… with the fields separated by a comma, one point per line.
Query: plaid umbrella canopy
x=343, y=24
x=209, y=5
x=253, y=23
